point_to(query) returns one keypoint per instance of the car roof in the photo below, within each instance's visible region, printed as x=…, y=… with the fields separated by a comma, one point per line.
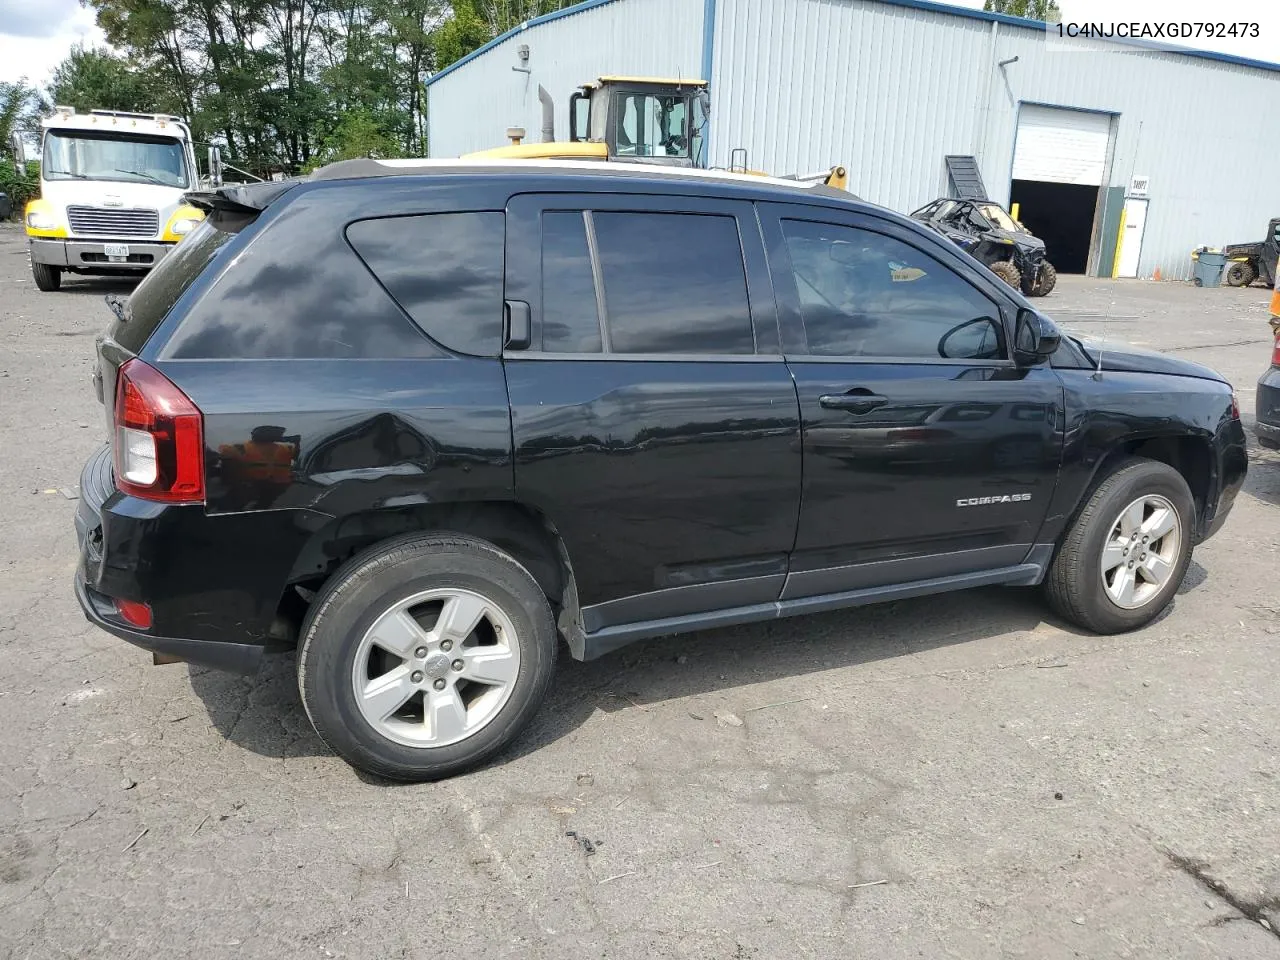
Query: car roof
x=574, y=169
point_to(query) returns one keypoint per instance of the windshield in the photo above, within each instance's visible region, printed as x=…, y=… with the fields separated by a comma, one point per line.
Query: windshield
x=91, y=155
x=652, y=126
x=996, y=215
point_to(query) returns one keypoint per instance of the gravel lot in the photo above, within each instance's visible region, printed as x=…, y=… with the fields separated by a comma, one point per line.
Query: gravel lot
x=957, y=776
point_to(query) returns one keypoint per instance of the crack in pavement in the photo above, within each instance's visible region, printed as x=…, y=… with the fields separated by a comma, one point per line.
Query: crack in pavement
x=1250, y=909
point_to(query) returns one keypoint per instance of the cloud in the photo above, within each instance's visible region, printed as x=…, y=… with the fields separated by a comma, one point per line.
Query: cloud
x=35, y=18
x=37, y=35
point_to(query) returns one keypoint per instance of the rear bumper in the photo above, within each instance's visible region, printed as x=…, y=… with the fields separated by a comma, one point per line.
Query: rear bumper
x=91, y=254
x=212, y=593
x=101, y=612
x=1267, y=409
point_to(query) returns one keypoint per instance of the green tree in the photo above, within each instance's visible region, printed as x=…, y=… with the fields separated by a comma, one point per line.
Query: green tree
x=19, y=112
x=464, y=31
x=284, y=84
x=1046, y=10
x=91, y=78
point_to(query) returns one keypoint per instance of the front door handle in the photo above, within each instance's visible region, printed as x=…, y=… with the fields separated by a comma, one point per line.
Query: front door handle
x=852, y=402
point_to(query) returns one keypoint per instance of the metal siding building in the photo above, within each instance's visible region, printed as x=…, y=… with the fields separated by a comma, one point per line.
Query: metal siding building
x=473, y=102
x=890, y=87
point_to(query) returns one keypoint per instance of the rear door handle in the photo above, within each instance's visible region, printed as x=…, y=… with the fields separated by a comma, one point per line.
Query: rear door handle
x=519, y=330
x=852, y=402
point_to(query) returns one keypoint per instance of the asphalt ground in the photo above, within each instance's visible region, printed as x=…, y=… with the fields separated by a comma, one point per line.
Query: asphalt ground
x=957, y=776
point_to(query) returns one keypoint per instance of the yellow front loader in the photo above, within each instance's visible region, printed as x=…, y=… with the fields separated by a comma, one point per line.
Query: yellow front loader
x=650, y=120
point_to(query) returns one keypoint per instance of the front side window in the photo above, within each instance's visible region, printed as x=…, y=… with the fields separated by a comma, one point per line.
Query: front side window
x=864, y=294
x=89, y=155
x=652, y=126
x=673, y=283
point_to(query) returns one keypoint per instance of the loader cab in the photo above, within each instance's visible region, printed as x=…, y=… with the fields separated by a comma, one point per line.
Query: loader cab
x=643, y=119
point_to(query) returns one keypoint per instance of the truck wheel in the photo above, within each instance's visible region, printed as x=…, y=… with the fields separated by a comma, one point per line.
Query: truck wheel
x=1239, y=274
x=47, y=278
x=1124, y=557
x=1047, y=280
x=425, y=656
x=1007, y=272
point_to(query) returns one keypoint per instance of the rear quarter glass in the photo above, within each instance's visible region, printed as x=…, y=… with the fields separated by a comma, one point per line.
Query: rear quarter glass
x=445, y=271
x=297, y=290
x=155, y=296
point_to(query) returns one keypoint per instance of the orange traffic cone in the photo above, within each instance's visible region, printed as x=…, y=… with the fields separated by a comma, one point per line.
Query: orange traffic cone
x=1156, y=275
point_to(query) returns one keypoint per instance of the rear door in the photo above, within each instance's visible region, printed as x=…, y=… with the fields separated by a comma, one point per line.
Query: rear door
x=654, y=420
x=927, y=451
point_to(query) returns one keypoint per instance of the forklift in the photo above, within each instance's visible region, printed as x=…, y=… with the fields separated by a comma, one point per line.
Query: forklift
x=647, y=120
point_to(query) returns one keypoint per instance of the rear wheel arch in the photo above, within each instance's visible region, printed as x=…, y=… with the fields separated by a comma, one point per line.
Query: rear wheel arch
x=519, y=530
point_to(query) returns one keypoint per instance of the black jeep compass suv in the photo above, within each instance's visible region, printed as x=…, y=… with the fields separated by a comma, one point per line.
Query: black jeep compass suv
x=429, y=420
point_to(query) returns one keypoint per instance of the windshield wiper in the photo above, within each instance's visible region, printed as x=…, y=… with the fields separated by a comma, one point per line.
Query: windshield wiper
x=150, y=177
x=68, y=173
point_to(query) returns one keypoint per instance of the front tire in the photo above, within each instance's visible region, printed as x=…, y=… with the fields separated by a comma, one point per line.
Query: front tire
x=1007, y=272
x=47, y=278
x=1047, y=280
x=1124, y=557
x=1239, y=274
x=425, y=656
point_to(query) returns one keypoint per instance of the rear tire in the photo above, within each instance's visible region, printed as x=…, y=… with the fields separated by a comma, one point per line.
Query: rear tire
x=47, y=278
x=1047, y=280
x=425, y=656
x=1100, y=557
x=1007, y=272
x=1239, y=273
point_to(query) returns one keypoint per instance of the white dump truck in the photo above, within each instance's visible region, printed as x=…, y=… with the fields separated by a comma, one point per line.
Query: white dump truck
x=111, y=188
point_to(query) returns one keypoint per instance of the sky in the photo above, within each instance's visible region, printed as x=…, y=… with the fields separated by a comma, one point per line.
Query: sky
x=35, y=35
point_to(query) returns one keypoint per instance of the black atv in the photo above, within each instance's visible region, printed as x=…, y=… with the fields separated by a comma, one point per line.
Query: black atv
x=1247, y=262
x=985, y=230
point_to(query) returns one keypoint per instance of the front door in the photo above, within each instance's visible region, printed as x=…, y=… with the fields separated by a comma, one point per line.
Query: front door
x=927, y=451
x=655, y=422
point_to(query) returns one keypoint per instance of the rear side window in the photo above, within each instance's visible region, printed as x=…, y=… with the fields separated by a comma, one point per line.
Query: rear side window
x=570, y=321
x=673, y=283
x=161, y=288
x=445, y=270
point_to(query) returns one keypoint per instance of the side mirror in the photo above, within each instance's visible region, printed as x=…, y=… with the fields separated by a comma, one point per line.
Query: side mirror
x=977, y=339
x=215, y=167
x=1035, y=338
x=579, y=117
x=19, y=152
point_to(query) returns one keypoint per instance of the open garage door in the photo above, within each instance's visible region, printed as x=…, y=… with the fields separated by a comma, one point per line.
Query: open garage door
x=1059, y=164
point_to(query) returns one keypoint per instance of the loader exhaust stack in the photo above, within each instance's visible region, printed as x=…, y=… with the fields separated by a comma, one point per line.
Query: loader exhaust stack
x=548, y=115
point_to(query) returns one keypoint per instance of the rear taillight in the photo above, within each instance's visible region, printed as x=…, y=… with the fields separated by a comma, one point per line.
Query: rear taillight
x=132, y=612
x=159, y=442
x=1275, y=353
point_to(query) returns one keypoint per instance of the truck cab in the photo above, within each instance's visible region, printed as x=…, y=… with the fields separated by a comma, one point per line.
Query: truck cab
x=111, y=189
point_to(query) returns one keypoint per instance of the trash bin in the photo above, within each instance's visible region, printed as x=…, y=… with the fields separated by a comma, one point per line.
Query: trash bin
x=1208, y=267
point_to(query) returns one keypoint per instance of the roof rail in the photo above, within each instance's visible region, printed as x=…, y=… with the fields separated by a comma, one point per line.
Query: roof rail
x=130, y=115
